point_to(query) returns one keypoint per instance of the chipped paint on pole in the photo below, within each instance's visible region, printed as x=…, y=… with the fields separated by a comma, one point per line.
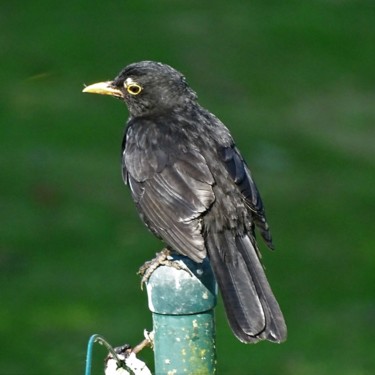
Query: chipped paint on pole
x=182, y=303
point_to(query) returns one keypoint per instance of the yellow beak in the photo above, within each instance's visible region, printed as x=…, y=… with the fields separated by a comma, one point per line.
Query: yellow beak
x=103, y=88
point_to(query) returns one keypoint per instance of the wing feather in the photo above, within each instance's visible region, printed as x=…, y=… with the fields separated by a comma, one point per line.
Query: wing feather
x=172, y=196
x=241, y=175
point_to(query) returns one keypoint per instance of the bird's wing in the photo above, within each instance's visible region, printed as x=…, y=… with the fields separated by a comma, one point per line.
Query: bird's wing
x=172, y=192
x=241, y=175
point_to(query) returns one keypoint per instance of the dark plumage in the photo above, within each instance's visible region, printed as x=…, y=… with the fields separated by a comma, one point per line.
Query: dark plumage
x=193, y=190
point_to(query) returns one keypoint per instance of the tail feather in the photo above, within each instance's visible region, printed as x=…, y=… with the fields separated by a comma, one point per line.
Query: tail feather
x=251, y=307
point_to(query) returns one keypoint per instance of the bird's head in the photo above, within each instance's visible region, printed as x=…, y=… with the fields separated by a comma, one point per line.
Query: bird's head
x=147, y=88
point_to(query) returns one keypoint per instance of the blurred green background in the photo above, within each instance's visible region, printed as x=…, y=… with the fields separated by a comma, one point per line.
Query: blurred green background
x=293, y=80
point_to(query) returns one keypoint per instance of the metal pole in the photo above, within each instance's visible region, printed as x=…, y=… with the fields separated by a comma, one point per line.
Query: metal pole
x=182, y=303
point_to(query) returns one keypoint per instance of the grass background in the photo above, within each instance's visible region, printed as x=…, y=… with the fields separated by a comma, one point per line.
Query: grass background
x=293, y=80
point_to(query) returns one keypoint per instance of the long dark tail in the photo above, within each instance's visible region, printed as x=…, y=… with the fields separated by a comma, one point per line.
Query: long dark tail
x=251, y=307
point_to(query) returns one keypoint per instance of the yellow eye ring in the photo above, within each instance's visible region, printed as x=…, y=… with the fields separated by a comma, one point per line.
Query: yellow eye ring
x=133, y=89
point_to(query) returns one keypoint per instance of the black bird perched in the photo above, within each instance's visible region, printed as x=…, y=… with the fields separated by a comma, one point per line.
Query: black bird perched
x=193, y=190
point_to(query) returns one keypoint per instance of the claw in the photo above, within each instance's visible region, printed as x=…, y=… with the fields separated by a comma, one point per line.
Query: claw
x=163, y=258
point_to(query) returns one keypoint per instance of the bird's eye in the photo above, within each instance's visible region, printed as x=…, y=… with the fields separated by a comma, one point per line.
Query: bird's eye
x=133, y=89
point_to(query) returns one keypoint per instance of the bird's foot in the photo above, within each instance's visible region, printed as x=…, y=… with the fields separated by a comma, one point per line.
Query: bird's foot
x=163, y=258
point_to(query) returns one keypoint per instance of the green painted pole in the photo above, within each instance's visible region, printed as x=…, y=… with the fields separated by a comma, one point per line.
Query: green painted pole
x=182, y=305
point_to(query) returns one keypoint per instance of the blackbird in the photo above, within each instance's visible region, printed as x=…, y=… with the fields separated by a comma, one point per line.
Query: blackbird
x=194, y=191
